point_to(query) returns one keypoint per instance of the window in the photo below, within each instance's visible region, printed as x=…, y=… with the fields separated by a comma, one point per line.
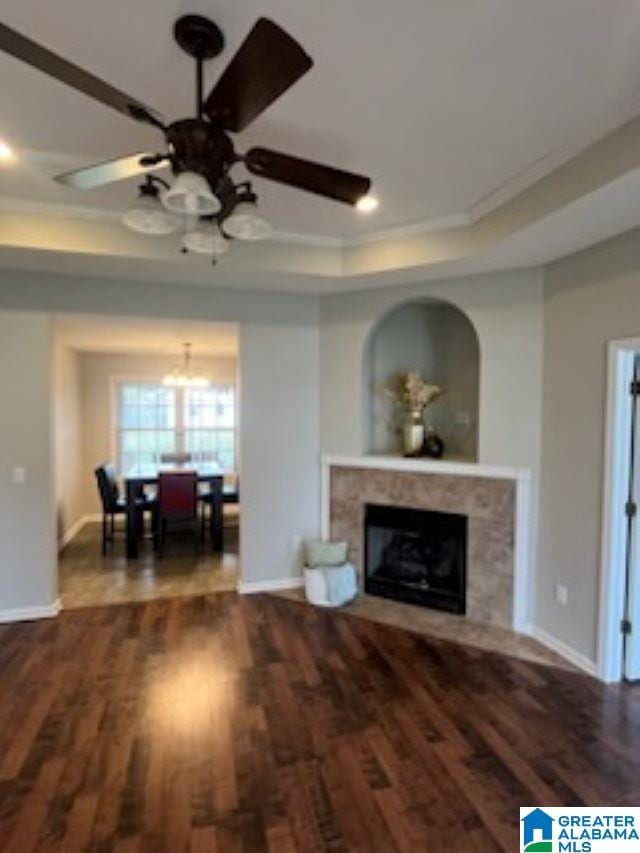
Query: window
x=153, y=419
x=209, y=423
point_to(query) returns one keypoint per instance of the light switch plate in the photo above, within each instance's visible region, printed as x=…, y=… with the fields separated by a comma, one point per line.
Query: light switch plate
x=19, y=474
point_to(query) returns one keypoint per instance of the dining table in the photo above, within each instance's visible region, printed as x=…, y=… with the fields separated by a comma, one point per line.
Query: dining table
x=138, y=477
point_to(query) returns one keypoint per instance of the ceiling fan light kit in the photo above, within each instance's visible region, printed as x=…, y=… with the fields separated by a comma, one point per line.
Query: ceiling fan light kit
x=147, y=215
x=190, y=195
x=245, y=224
x=200, y=150
x=206, y=241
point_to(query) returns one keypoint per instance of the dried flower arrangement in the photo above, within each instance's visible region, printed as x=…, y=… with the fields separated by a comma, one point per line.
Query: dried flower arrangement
x=410, y=392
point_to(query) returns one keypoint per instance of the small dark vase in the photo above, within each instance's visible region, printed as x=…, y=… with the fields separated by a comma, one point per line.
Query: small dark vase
x=433, y=445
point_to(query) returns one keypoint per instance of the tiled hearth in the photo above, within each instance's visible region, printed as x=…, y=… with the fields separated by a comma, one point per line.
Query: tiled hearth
x=434, y=623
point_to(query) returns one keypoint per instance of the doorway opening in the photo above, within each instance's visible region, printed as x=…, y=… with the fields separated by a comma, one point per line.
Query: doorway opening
x=619, y=629
x=146, y=457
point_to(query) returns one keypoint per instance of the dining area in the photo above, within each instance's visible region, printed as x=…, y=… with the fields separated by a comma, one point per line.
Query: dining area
x=147, y=457
x=166, y=530
x=177, y=494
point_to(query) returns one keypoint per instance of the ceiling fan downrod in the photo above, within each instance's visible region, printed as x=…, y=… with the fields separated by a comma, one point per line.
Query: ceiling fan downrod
x=201, y=39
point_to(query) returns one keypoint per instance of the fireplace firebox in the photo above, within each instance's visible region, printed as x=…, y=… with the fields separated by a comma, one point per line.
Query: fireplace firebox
x=418, y=556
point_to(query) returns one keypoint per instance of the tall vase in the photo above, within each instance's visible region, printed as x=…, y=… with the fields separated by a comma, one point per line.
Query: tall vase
x=413, y=433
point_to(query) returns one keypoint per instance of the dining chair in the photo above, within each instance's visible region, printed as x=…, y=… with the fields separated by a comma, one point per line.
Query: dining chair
x=231, y=489
x=175, y=458
x=113, y=504
x=177, y=504
x=210, y=501
x=206, y=498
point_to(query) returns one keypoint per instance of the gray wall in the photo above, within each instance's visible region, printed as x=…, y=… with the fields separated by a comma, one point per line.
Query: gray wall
x=590, y=298
x=438, y=341
x=587, y=300
x=506, y=312
x=68, y=438
x=277, y=332
x=27, y=518
x=280, y=449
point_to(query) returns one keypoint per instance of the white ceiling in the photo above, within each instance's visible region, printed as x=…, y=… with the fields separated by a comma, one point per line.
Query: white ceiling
x=88, y=333
x=443, y=103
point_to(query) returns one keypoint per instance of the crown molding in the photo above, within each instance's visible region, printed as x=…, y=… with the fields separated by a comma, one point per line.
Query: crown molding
x=31, y=207
x=622, y=113
x=412, y=229
x=544, y=165
x=316, y=240
x=615, y=119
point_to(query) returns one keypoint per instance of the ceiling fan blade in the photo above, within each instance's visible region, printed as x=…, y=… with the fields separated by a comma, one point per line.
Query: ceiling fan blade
x=39, y=57
x=305, y=175
x=111, y=171
x=267, y=63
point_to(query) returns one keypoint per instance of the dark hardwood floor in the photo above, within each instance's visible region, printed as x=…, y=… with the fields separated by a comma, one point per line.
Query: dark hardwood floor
x=249, y=724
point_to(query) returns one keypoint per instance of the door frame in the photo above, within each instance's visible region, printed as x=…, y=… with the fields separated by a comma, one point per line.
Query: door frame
x=620, y=365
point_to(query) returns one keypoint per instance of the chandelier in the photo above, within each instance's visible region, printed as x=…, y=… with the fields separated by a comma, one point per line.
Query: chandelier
x=181, y=376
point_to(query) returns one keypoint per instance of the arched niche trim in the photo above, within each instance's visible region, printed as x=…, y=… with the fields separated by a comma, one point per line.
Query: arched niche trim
x=438, y=339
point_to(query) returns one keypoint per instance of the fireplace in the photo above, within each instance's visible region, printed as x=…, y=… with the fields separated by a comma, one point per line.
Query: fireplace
x=416, y=555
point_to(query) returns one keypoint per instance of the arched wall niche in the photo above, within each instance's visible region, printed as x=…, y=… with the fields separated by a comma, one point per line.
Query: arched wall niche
x=437, y=339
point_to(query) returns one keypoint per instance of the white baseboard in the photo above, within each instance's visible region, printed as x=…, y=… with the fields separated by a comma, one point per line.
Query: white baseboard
x=28, y=614
x=565, y=651
x=73, y=531
x=249, y=587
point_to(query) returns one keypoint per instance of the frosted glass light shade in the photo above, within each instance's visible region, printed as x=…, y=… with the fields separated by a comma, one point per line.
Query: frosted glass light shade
x=206, y=241
x=147, y=216
x=245, y=224
x=190, y=194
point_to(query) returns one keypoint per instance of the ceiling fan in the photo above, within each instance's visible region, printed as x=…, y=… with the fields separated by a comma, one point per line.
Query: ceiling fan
x=199, y=149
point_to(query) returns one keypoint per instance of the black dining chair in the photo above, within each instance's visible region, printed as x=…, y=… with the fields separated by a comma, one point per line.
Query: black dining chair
x=211, y=502
x=113, y=504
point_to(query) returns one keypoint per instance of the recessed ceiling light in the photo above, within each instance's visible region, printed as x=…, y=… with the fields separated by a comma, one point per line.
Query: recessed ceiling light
x=6, y=153
x=367, y=204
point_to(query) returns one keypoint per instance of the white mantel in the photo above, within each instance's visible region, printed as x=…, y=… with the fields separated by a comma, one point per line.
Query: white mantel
x=522, y=581
x=423, y=465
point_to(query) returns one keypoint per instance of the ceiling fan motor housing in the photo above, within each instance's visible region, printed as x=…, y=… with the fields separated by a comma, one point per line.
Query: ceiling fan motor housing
x=198, y=146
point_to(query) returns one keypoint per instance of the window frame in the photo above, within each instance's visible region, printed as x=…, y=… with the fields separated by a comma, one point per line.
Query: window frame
x=180, y=401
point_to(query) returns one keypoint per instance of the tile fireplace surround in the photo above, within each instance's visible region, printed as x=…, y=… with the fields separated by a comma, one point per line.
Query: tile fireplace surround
x=495, y=499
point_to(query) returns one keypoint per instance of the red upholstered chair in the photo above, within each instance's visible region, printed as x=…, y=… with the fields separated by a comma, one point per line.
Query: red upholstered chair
x=177, y=503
